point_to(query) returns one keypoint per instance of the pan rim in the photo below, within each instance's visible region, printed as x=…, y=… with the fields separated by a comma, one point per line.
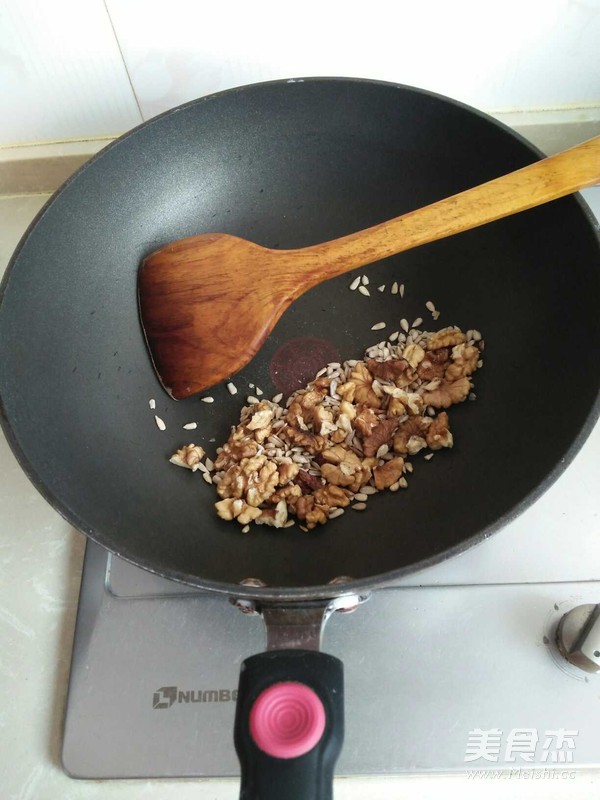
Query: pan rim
x=289, y=593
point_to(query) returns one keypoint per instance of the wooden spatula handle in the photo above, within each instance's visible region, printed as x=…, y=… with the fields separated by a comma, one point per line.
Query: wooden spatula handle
x=531, y=186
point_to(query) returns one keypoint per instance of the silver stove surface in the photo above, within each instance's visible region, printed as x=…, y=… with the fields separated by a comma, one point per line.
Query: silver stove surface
x=465, y=646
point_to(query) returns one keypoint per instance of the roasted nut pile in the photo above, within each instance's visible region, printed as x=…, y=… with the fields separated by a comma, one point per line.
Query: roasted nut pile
x=347, y=435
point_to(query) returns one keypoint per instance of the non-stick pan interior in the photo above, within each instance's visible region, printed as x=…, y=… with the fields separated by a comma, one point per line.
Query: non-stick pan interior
x=286, y=165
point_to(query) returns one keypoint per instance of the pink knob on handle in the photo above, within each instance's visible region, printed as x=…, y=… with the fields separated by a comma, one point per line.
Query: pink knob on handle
x=287, y=720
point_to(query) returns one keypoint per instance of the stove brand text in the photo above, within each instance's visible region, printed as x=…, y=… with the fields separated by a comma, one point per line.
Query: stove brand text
x=166, y=696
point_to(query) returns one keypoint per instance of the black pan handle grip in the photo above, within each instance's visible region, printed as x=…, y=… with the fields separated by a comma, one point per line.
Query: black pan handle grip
x=289, y=724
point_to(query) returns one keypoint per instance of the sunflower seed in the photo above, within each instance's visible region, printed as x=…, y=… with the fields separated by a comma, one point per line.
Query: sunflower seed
x=354, y=284
x=379, y=326
x=395, y=287
x=364, y=290
x=361, y=496
x=246, y=529
x=393, y=336
x=359, y=506
x=251, y=399
x=404, y=325
x=435, y=315
x=210, y=464
x=417, y=322
x=403, y=483
x=258, y=391
x=381, y=288
x=302, y=528
x=207, y=399
x=365, y=280
x=152, y=404
x=337, y=512
x=401, y=290
x=231, y=388
x=190, y=426
x=207, y=477
x=395, y=486
x=408, y=467
x=290, y=523
x=277, y=398
x=369, y=490
x=429, y=456
x=160, y=424
x=429, y=306
x=383, y=450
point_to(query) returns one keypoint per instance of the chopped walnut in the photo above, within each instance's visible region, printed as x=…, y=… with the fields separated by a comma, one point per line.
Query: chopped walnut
x=343, y=476
x=253, y=478
x=414, y=354
x=360, y=387
x=287, y=473
x=260, y=422
x=234, y=451
x=396, y=371
x=415, y=444
x=310, y=512
x=438, y=433
x=290, y=493
x=188, y=456
x=307, y=482
x=337, y=436
x=464, y=362
x=332, y=496
x=448, y=393
x=275, y=517
x=229, y=509
x=395, y=407
x=388, y=473
x=312, y=443
x=365, y=421
x=413, y=427
x=434, y=364
x=380, y=435
x=339, y=454
x=446, y=337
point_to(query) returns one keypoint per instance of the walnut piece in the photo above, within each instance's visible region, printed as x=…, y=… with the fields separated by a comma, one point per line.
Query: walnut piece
x=312, y=443
x=229, y=509
x=287, y=473
x=434, y=364
x=438, y=433
x=253, y=479
x=464, y=362
x=412, y=429
x=237, y=447
x=381, y=434
x=446, y=337
x=360, y=387
x=448, y=393
x=414, y=354
x=307, y=482
x=275, y=517
x=365, y=421
x=395, y=407
x=332, y=496
x=388, y=473
x=188, y=456
x=308, y=511
x=396, y=371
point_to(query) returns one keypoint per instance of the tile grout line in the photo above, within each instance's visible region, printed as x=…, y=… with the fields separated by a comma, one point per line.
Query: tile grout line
x=125, y=67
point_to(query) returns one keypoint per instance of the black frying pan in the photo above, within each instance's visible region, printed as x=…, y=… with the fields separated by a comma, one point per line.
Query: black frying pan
x=287, y=165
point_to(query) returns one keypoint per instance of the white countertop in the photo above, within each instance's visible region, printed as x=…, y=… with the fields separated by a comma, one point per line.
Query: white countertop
x=40, y=567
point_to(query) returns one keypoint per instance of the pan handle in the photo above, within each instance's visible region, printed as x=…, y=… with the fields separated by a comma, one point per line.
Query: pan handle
x=289, y=724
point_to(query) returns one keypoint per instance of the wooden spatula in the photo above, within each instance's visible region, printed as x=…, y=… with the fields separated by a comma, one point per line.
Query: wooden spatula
x=208, y=303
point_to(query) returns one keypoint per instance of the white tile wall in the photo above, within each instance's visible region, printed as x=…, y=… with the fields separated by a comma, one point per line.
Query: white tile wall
x=64, y=73
x=61, y=72
x=505, y=54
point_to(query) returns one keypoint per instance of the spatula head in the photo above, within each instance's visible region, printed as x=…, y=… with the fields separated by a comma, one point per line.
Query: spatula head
x=207, y=304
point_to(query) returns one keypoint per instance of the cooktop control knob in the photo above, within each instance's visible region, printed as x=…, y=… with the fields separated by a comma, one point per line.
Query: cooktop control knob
x=578, y=637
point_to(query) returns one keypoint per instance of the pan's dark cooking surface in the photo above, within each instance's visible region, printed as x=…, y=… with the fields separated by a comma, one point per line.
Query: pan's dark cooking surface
x=287, y=165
